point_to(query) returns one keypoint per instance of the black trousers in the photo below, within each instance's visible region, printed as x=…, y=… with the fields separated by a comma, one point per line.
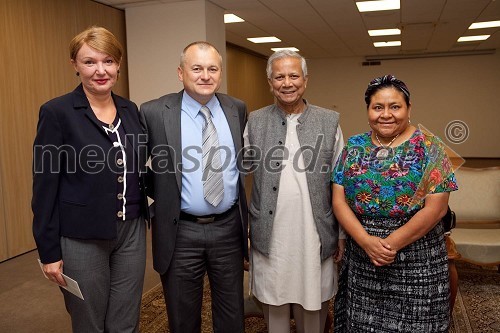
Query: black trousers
x=214, y=248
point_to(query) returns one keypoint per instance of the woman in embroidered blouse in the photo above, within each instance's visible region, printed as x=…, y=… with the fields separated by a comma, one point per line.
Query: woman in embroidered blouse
x=391, y=188
x=87, y=201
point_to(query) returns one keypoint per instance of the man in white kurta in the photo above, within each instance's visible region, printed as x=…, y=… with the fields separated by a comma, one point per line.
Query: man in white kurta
x=292, y=275
x=294, y=267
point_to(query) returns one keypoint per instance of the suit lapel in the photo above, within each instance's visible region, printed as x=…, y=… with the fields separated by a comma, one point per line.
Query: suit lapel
x=231, y=113
x=233, y=119
x=172, y=123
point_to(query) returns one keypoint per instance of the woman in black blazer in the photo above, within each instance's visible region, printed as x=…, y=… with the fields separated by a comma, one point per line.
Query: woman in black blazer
x=88, y=197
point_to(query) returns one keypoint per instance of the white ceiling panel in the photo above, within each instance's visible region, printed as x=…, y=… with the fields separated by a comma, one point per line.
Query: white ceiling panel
x=445, y=36
x=381, y=20
x=415, y=36
x=246, y=30
x=490, y=13
x=299, y=14
x=347, y=27
x=335, y=28
x=491, y=43
x=464, y=10
x=418, y=12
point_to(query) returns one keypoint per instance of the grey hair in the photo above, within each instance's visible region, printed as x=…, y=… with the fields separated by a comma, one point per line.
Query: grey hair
x=202, y=45
x=284, y=54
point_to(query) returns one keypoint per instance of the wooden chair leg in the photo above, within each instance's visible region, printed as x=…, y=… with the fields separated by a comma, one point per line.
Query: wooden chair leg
x=329, y=322
x=452, y=268
x=453, y=282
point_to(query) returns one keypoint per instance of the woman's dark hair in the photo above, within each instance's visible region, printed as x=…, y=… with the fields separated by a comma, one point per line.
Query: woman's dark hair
x=385, y=82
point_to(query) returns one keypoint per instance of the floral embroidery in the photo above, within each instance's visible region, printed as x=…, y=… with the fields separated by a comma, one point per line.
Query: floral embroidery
x=385, y=205
x=356, y=170
x=403, y=200
x=359, y=209
x=416, y=140
x=396, y=186
x=373, y=208
x=396, y=211
x=374, y=186
x=386, y=191
x=364, y=197
x=447, y=165
x=394, y=171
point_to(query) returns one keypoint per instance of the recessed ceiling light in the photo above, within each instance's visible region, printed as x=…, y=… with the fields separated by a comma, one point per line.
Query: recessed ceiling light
x=258, y=40
x=276, y=49
x=231, y=18
x=387, y=44
x=384, y=32
x=472, y=38
x=481, y=25
x=371, y=6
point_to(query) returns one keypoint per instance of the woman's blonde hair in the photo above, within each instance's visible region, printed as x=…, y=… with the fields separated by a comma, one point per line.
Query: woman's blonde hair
x=98, y=38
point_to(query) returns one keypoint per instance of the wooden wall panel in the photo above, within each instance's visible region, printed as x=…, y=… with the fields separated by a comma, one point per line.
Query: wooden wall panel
x=3, y=65
x=34, y=71
x=35, y=67
x=246, y=78
x=3, y=234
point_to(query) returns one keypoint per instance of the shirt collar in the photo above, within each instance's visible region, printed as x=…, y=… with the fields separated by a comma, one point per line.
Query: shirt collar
x=192, y=107
x=303, y=115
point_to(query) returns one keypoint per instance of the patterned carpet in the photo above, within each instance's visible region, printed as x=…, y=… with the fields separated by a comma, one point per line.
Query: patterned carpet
x=477, y=307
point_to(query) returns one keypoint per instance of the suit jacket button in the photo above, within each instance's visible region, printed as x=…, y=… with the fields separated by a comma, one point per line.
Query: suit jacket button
x=120, y=179
x=119, y=196
x=274, y=188
x=270, y=212
x=119, y=214
x=119, y=161
x=175, y=221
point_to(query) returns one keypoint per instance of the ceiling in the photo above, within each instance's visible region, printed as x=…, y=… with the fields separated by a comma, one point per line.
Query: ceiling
x=335, y=28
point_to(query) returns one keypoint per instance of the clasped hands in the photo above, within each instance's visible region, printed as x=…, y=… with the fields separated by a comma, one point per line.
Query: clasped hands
x=379, y=251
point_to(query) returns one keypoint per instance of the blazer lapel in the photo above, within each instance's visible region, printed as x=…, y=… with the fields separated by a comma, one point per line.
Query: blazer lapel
x=132, y=130
x=80, y=101
x=172, y=121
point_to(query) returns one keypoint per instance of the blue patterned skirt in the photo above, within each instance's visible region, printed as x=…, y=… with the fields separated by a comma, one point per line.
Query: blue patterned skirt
x=409, y=295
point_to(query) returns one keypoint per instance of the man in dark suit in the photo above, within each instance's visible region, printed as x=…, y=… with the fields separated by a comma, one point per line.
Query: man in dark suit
x=200, y=223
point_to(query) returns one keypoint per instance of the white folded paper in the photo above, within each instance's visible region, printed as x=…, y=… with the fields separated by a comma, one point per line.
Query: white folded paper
x=71, y=285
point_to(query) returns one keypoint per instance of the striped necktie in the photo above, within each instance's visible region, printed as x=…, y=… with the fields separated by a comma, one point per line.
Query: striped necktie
x=213, y=185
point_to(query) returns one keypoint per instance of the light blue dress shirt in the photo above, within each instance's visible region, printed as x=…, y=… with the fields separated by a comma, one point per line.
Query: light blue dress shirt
x=192, y=121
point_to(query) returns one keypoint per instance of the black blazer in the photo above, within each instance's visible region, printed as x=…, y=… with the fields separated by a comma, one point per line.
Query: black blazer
x=162, y=119
x=75, y=173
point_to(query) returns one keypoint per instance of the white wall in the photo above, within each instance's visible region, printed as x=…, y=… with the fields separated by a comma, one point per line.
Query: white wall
x=156, y=36
x=465, y=88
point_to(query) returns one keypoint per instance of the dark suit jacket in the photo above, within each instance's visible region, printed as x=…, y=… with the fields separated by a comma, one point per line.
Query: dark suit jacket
x=162, y=119
x=75, y=171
